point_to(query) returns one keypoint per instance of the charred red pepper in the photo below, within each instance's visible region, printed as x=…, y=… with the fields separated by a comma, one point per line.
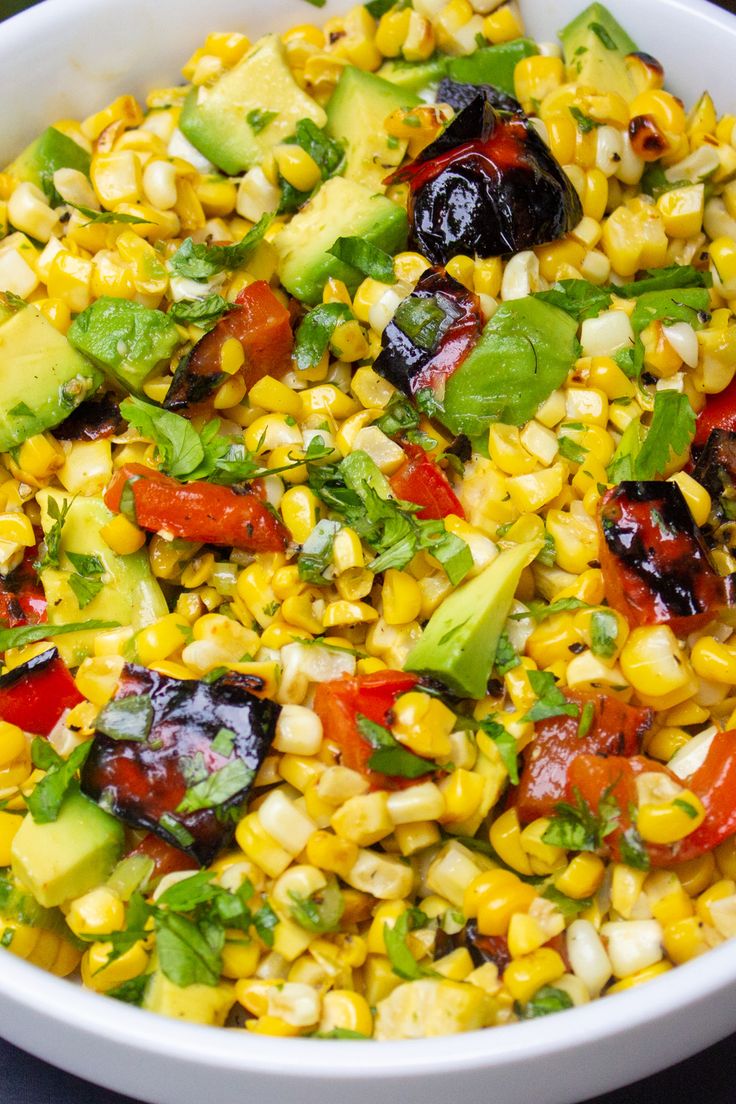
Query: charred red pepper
x=22, y=599
x=204, y=512
x=719, y=412
x=431, y=334
x=715, y=784
x=614, y=729
x=487, y=186
x=36, y=694
x=716, y=471
x=92, y=420
x=485, y=948
x=165, y=858
x=656, y=565
x=262, y=325
x=187, y=769
x=421, y=481
x=338, y=703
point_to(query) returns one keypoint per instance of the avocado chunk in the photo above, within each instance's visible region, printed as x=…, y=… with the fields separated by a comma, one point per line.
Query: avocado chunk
x=356, y=114
x=595, y=46
x=70, y=855
x=415, y=76
x=19, y=907
x=524, y=353
x=52, y=150
x=42, y=378
x=458, y=645
x=492, y=64
x=341, y=208
x=225, y=122
x=130, y=595
x=125, y=339
x=202, y=1004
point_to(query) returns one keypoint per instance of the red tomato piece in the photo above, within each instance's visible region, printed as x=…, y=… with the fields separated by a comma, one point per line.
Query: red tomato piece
x=36, y=694
x=656, y=565
x=166, y=859
x=22, y=600
x=198, y=511
x=337, y=705
x=262, y=325
x=616, y=729
x=719, y=412
x=421, y=481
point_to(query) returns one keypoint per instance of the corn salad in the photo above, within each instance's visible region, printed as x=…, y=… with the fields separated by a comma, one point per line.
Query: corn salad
x=366, y=575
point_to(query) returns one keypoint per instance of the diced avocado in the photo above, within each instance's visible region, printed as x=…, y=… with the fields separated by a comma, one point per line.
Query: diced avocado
x=341, y=208
x=130, y=593
x=356, y=113
x=524, y=353
x=70, y=855
x=42, y=378
x=595, y=46
x=125, y=339
x=52, y=150
x=415, y=76
x=20, y=907
x=458, y=645
x=202, y=1004
x=216, y=120
x=492, y=64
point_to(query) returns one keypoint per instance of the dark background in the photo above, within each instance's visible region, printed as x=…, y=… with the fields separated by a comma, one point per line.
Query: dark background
x=708, y=1077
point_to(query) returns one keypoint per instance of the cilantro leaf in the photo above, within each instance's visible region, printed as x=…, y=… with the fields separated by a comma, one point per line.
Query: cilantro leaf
x=322, y=911
x=98, y=217
x=52, y=539
x=603, y=633
x=202, y=312
x=316, y=554
x=571, y=450
x=84, y=590
x=633, y=849
x=568, y=906
x=505, y=741
x=507, y=658
x=264, y=921
x=131, y=992
x=179, y=445
x=218, y=788
x=663, y=279
x=390, y=757
x=584, y=122
x=30, y=634
x=423, y=320
x=185, y=954
x=403, y=963
x=540, y=611
x=577, y=828
x=200, y=262
x=670, y=431
x=328, y=154
x=551, y=702
x=45, y=802
x=86, y=566
x=258, y=119
x=545, y=1001
x=587, y=716
x=398, y=417
x=315, y=331
x=366, y=257
x=128, y=718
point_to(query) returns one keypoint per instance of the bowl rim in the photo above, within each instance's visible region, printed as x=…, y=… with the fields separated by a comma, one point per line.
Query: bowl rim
x=45, y=996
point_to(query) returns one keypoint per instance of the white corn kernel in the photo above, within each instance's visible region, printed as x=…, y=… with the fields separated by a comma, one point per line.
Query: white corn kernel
x=298, y=731
x=284, y=822
x=257, y=196
x=633, y=945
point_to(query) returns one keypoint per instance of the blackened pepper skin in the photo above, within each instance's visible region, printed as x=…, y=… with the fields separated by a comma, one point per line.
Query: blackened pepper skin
x=487, y=186
x=655, y=562
x=143, y=781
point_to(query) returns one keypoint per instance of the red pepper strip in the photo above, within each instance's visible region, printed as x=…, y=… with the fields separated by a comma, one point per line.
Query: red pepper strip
x=35, y=695
x=337, y=704
x=616, y=729
x=419, y=480
x=719, y=412
x=200, y=512
x=715, y=784
x=22, y=600
x=166, y=859
x=262, y=325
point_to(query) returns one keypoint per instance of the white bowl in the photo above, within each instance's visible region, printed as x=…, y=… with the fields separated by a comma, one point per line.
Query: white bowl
x=66, y=58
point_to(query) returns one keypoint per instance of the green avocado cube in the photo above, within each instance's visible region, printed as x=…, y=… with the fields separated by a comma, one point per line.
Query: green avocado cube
x=69, y=856
x=52, y=150
x=493, y=64
x=595, y=46
x=125, y=339
x=341, y=208
x=202, y=1004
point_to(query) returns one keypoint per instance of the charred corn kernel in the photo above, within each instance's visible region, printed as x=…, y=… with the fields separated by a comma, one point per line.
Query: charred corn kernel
x=345, y=612
x=697, y=874
x=530, y=493
x=299, y=508
x=97, y=912
x=100, y=974
x=297, y=167
x=683, y=940
x=654, y=665
x=535, y=77
x=525, y=975
x=507, y=451
x=97, y=677
x=162, y=638
x=364, y=820
x=423, y=724
x=9, y=825
x=582, y=876
x=503, y=25
x=400, y=595
x=666, y=110
x=419, y=44
x=505, y=836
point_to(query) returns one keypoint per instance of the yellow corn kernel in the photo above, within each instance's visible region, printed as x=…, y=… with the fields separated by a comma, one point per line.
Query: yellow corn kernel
x=97, y=678
x=423, y=724
x=697, y=874
x=626, y=886
x=346, y=1010
x=525, y=935
x=719, y=891
x=392, y=30
x=682, y=210
x=666, y=110
x=507, y=452
x=260, y=847
x=535, y=77
x=401, y=597
x=725, y=855
x=328, y=399
x=714, y=661
x=344, y=612
x=555, y=258
x=640, y=977
x=683, y=940
x=451, y=18
x=545, y=857
x=582, y=876
x=40, y=456
x=529, y=493
x=463, y=792
x=462, y=269
x=100, y=974
x=525, y=975
x=9, y=825
x=503, y=25
x=97, y=912
x=162, y=638
x=70, y=280
x=274, y=396
x=12, y=742
x=497, y=905
x=652, y=662
x=666, y=742
x=505, y=837
x=299, y=510
x=16, y=528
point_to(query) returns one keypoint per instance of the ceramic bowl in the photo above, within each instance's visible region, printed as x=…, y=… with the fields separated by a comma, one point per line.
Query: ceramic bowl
x=67, y=58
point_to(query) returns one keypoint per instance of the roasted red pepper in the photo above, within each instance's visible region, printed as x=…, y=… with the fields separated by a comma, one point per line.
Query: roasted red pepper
x=715, y=784
x=337, y=705
x=189, y=732
x=615, y=729
x=166, y=859
x=204, y=512
x=441, y=322
x=719, y=412
x=22, y=600
x=262, y=325
x=36, y=694
x=656, y=565
x=421, y=481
